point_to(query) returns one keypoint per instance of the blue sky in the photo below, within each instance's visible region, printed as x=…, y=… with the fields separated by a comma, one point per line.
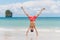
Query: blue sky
x=32, y=6
x=11, y=1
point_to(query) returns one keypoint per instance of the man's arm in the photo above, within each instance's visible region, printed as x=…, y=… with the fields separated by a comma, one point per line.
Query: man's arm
x=40, y=12
x=27, y=31
x=25, y=11
x=36, y=32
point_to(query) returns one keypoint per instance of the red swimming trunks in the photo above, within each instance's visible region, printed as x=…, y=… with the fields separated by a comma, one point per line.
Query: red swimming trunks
x=32, y=18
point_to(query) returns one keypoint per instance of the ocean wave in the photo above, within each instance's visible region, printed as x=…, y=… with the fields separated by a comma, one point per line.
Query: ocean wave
x=25, y=29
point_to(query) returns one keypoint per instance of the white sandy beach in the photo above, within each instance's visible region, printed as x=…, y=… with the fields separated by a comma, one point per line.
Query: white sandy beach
x=19, y=34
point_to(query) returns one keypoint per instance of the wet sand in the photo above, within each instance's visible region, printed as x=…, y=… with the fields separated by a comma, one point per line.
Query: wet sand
x=19, y=34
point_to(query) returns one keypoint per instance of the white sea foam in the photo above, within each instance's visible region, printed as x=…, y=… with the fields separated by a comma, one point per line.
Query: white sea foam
x=24, y=29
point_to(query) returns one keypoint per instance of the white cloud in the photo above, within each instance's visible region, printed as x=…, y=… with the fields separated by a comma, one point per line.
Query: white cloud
x=17, y=5
x=15, y=8
x=51, y=6
x=33, y=6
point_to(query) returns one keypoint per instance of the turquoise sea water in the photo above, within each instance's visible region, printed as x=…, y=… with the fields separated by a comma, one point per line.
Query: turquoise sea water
x=41, y=22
